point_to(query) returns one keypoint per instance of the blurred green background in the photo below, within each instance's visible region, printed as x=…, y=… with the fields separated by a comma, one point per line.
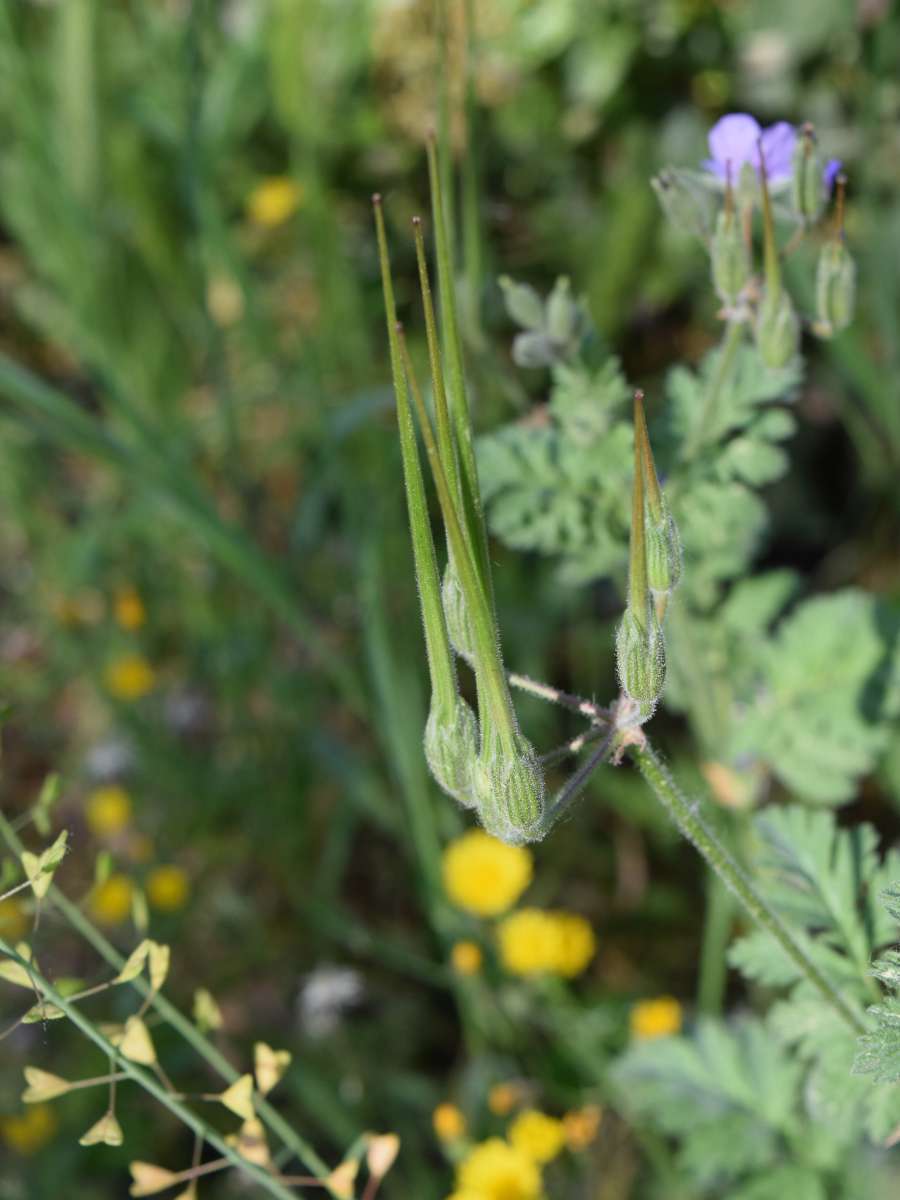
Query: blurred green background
x=208, y=599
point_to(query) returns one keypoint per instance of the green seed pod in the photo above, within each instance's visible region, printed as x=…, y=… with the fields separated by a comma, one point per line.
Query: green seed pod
x=451, y=750
x=685, y=200
x=835, y=289
x=663, y=548
x=777, y=329
x=730, y=258
x=562, y=312
x=807, y=182
x=456, y=614
x=523, y=304
x=509, y=790
x=641, y=656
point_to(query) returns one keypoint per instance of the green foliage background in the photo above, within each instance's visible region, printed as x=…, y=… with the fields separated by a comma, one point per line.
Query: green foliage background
x=229, y=451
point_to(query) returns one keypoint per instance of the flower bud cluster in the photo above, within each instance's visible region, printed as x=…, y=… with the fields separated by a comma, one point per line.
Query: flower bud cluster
x=780, y=173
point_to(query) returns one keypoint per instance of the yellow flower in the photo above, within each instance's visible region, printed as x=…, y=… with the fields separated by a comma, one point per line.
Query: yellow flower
x=537, y=1136
x=655, y=1018
x=529, y=942
x=273, y=200
x=130, y=677
x=466, y=958
x=534, y=941
x=128, y=609
x=577, y=944
x=495, y=1170
x=31, y=1131
x=14, y=921
x=485, y=876
x=448, y=1122
x=502, y=1098
x=110, y=902
x=581, y=1126
x=167, y=888
x=108, y=810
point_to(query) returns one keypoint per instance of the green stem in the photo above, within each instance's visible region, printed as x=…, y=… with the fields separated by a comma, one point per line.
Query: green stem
x=728, y=348
x=716, y=932
x=145, y=1080
x=686, y=816
x=172, y=1016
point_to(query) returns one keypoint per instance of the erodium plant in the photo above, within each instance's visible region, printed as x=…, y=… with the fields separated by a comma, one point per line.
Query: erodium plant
x=806, y=701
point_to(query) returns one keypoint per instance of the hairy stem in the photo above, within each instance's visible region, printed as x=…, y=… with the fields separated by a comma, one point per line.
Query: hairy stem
x=686, y=816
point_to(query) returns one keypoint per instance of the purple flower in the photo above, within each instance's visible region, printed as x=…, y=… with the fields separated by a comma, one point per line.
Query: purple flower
x=830, y=174
x=735, y=140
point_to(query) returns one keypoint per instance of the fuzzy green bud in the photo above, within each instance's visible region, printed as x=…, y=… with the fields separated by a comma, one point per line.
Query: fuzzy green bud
x=835, y=289
x=523, y=304
x=777, y=329
x=663, y=549
x=457, y=616
x=685, y=200
x=730, y=257
x=641, y=656
x=509, y=791
x=451, y=750
x=807, y=182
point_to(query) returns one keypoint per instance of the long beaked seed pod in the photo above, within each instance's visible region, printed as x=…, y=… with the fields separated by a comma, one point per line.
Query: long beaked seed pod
x=451, y=750
x=729, y=252
x=662, y=542
x=456, y=614
x=641, y=655
x=808, y=193
x=835, y=277
x=777, y=327
x=509, y=791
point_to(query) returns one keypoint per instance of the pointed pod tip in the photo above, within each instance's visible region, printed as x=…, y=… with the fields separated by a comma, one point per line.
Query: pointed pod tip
x=417, y=221
x=398, y=327
x=376, y=199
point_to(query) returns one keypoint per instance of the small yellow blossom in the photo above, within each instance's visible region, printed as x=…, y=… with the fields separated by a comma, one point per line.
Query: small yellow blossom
x=537, y=1136
x=495, y=1170
x=581, y=1126
x=274, y=200
x=108, y=810
x=577, y=944
x=466, y=958
x=128, y=609
x=534, y=942
x=14, y=921
x=448, y=1122
x=110, y=902
x=167, y=888
x=503, y=1097
x=130, y=677
x=655, y=1018
x=28, y=1133
x=483, y=875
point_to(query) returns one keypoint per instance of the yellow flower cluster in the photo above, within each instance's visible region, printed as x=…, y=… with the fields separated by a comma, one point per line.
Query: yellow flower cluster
x=537, y=1136
x=110, y=901
x=534, y=941
x=167, y=888
x=448, y=1122
x=656, y=1018
x=496, y=1170
x=466, y=958
x=483, y=875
